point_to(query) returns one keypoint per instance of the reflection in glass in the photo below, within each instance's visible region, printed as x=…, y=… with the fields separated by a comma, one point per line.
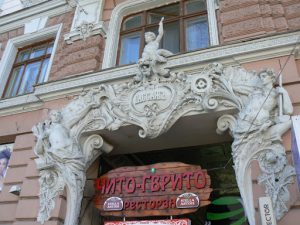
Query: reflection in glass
x=50, y=48
x=14, y=82
x=37, y=52
x=132, y=22
x=193, y=6
x=168, y=12
x=130, y=46
x=29, y=78
x=23, y=55
x=171, y=37
x=43, y=71
x=197, y=35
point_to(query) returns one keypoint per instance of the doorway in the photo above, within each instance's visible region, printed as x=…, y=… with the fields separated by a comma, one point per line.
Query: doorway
x=226, y=206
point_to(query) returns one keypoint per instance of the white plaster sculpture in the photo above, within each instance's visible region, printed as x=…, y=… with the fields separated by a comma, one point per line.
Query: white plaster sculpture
x=61, y=162
x=261, y=115
x=153, y=59
x=257, y=131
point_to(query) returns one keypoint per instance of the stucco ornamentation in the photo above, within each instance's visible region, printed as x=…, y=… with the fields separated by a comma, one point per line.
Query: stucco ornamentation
x=154, y=103
x=62, y=162
x=87, y=20
x=257, y=129
x=276, y=177
x=153, y=60
x=85, y=29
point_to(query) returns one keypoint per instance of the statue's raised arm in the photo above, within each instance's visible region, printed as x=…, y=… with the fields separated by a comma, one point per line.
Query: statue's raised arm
x=160, y=30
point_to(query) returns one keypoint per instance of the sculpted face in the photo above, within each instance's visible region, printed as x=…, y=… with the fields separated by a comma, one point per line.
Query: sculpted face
x=266, y=77
x=149, y=36
x=55, y=116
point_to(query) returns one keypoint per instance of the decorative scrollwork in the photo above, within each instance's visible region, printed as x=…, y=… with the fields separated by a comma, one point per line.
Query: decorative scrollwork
x=225, y=122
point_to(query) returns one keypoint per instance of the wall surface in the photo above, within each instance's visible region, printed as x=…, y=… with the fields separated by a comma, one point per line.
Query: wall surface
x=238, y=21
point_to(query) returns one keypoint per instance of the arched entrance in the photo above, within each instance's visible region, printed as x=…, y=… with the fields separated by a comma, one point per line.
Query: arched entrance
x=154, y=103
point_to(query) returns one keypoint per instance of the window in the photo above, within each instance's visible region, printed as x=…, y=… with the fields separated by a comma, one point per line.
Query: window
x=29, y=68
x=185, y=29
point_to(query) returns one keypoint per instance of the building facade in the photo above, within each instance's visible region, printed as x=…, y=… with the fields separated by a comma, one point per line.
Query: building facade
x=81, y=95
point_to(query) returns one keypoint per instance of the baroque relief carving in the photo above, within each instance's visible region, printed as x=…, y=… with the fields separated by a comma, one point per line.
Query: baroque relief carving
x=62, y=162
x=263, y=117
x=155, y=103
x=154, y=100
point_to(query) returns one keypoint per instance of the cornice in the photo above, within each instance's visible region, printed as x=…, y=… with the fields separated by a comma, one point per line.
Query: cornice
x=19, y=104
x=19, y=18
x=255, y=50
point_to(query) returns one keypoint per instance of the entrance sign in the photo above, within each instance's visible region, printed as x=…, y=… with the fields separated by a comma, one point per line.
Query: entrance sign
x=155, y=190
x=151, y=222
x=266, y=211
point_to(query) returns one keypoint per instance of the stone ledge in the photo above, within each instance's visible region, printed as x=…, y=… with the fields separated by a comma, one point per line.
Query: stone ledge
x=249, y=51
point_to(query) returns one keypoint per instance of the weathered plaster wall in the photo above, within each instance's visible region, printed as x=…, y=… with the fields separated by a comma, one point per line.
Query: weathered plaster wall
x=245, y=19
x=79, y=57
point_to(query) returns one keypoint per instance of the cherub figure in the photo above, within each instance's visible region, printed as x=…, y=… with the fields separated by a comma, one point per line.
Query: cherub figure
x=152, y=55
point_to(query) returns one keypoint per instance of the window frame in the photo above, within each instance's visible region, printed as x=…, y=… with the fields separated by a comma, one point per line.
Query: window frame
x=145, y=25
x=134, y=6
x=26, y=62
x=14, y=44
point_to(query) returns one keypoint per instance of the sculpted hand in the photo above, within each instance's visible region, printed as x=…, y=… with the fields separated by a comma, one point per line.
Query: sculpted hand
x=280, y=90
x=161, y=20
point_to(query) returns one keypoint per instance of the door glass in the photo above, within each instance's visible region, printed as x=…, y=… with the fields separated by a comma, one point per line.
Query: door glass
x=130, y=47
x=197, y=35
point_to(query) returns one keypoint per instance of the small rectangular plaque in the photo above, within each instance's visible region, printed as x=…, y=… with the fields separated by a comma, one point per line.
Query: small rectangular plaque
x=266, y=211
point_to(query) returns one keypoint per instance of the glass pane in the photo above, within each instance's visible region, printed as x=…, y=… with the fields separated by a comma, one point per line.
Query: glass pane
x=197, y=35
x=37, y=52
x=132, y=22
x=193, y=6
x=43, y=71
x=50, y=48
x=23, y=55
x=14, y=82
x=170, y=39
x=168, y=12
x=29, y=78
x=130, y=47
